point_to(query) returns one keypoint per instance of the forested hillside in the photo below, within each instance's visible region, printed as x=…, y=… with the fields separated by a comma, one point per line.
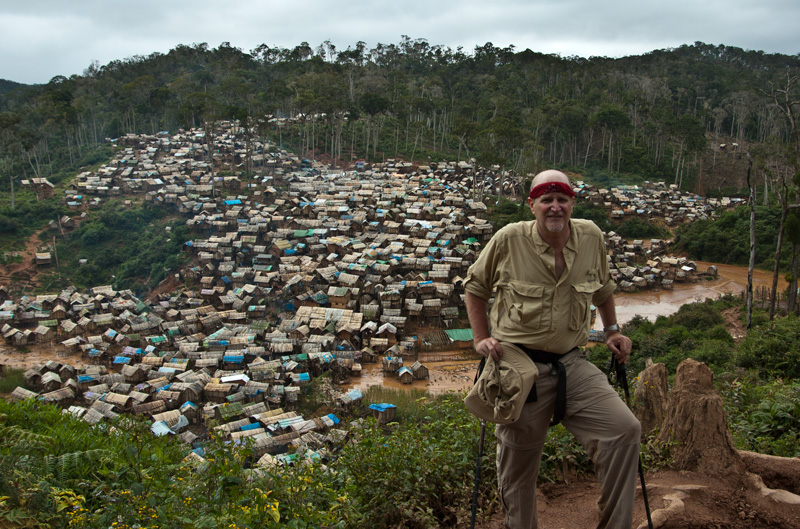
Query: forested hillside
x=715, y=120
x=663, y=115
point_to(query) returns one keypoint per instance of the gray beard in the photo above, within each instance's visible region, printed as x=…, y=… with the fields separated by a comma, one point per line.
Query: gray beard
x=555, y=225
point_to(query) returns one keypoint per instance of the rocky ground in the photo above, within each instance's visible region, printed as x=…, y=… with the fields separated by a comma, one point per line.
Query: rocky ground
x=678, y=500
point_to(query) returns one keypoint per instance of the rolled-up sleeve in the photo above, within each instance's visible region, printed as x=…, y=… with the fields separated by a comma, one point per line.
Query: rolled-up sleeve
x=609, y=285
x=481, y=274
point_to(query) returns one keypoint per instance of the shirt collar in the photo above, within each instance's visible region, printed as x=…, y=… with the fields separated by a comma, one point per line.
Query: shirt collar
x=542, y=247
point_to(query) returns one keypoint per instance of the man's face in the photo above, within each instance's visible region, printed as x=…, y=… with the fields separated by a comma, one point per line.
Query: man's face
x=552, y=211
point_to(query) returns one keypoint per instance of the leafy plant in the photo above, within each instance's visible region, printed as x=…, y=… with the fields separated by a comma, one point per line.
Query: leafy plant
x=772, y=348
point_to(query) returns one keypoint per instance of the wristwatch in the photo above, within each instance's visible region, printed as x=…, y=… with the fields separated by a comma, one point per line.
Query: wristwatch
x=610, y=328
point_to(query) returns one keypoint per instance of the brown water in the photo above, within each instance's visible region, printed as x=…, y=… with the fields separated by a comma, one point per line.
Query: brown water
x=651, y=304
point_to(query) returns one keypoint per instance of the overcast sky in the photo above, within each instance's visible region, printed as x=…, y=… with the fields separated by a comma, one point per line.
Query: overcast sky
x=40, y=39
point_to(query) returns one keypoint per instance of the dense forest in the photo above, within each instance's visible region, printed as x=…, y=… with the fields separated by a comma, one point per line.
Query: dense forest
x=662, y=115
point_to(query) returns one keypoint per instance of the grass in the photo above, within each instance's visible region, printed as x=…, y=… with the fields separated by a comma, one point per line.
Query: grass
x=410, y=403
x=11, y=379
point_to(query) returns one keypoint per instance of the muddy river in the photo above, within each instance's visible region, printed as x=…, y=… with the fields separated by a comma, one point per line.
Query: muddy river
x=458, y=374
x=651, y=304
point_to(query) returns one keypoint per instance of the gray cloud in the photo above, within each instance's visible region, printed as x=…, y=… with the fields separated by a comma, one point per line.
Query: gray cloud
x=44, y=38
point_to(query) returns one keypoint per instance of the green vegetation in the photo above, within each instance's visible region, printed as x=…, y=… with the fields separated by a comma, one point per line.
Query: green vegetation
x=55, y=470
x=28, y=216
x=126, y=246
x=756, y=377
x=764, y=417
x=773, y=350
x=10, y=380
x=696, y=331
x=636, y=228
x=618, y=120
x=615, y=121
x=727, y=239
x=416, y=471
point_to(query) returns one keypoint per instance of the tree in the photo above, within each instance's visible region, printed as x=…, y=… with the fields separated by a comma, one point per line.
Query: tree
x=12, y=143
x=785, y=99
x=613, y=121
x=751, y=266
x=209, y=111
x=793, y=238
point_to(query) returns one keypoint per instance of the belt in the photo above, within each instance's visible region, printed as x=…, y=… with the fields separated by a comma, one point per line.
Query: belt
x=558, y=369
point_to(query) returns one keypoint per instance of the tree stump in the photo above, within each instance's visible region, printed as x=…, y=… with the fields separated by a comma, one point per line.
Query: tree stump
x=650, y=397
x=696, y=422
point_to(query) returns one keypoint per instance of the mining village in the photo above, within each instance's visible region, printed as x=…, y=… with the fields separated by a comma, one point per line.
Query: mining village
x=297, y=270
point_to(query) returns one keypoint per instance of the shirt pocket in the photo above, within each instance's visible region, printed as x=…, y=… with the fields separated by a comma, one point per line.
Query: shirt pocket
x=581, y=304
x=525, y=304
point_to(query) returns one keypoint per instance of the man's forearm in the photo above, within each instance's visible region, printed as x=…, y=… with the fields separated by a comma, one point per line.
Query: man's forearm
x=478, y=320
x=608, y=311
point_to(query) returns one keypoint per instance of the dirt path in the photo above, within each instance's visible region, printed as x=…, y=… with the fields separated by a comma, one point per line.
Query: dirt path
x=24, y=274
x=678, y=500
x=19, y=277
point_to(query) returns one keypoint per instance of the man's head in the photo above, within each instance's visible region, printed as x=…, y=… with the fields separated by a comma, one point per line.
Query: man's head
x=551, y=200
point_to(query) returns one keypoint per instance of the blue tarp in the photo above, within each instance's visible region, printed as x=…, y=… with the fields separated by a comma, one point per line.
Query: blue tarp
x=234, y=359
x=160, y=428
x=381, y=407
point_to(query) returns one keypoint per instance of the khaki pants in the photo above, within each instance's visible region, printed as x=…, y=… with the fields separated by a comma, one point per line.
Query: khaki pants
x=598, y=418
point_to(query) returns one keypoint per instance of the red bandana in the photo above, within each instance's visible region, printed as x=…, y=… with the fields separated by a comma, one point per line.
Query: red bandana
x=551, y=187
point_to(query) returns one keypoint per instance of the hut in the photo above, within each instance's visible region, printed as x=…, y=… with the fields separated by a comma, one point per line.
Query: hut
x=405, y=375
x=392, y=364
x=420, y=371
x=384, y=413
x=19, y=394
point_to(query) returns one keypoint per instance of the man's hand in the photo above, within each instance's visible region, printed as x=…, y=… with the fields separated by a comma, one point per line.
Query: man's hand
x=489, y=347
x=620, y=345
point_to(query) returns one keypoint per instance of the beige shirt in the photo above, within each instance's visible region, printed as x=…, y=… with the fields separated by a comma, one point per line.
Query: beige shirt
x=532, y=307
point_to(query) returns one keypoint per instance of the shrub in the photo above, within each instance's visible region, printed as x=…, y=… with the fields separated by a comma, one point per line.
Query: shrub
x=773, y=349
x=763, y=417
x=417, y=475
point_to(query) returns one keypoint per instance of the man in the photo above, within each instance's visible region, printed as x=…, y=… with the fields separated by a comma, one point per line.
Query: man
x=544, y=276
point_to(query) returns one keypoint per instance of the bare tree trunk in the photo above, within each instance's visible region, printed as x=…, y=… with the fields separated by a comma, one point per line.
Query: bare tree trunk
x=11, y=180
x=751, y=266
x=784, y=209
x=791, y=303
x=588, y=146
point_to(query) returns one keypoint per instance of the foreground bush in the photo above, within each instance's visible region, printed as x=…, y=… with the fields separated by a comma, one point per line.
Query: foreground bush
x=58, y=471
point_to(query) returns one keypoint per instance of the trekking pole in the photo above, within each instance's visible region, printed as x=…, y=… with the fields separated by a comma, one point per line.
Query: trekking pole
x=622, y=379
x=477, y=475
